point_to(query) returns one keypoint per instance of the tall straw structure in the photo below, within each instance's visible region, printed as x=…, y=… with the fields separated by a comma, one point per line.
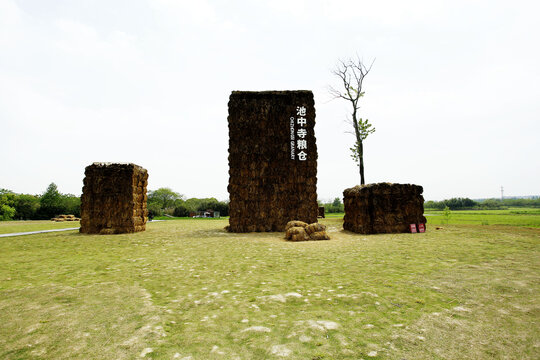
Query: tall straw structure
x=272, y=160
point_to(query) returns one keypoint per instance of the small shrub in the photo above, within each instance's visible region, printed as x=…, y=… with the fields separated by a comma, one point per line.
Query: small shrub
x=447, y=213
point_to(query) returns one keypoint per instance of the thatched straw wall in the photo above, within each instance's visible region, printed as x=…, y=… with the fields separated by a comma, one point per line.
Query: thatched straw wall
x=272, y=160
x=114, y=199
x=383, y=208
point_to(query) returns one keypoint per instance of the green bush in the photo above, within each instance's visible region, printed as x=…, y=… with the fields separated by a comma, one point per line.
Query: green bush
x=181, y=211
x=7, y=200
x=27, y=206
x=6, y=212
x=154, y=210
x=490, y=204
x=452, y=204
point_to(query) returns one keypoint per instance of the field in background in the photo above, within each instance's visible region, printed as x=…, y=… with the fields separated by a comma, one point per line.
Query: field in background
x=7, y=227
x=188, y=289
x=529, y=217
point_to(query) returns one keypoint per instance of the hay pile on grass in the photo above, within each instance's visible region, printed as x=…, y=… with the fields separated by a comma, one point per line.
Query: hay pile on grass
x=61, y=218
x=114, y=199
x=383, y=208
x=301, y=231
x=268, y=183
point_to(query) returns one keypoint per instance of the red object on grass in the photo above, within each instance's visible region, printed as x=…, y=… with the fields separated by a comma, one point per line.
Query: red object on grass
x=413, y=228
x=421, y=228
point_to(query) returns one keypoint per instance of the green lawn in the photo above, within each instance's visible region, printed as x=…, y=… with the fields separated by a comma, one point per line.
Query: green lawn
x=529, y=217
x=334, y=215
x=7, y=227
x=188, y=289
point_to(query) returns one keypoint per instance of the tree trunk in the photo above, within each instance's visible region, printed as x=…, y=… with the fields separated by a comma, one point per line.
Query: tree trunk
x=360, y=148
x=361, y=161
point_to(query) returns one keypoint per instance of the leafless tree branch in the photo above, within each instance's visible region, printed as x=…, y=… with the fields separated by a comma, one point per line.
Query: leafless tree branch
x=351, y=73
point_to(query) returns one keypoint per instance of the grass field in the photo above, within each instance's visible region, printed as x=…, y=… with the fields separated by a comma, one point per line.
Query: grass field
x=529, y=217
x=186, y=289
x=7, y=227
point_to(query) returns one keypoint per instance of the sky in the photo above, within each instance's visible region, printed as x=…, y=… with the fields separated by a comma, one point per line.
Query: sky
x=453, y=93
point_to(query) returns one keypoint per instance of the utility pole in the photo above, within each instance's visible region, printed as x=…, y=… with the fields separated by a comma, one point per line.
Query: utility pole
x=502, y=193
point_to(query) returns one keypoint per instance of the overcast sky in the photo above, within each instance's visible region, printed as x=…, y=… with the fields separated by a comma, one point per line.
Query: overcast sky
x=454, y=92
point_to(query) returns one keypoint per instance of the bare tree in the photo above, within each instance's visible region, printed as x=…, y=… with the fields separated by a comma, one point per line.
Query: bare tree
x=352, y=73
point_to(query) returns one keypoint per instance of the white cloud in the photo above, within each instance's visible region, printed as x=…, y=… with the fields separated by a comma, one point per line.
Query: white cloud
x=180, y=12
x=11, y=30
x=392, y=13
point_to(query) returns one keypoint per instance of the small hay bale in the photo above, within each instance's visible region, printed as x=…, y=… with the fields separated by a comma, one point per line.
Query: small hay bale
x=301, y=231
x=319, y=235
x=295, y=223
x=296, y=233
x=315, y=227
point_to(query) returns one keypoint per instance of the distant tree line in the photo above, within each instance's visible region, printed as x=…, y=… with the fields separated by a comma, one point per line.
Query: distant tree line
x=52, y=203
x=521, y=202
x=335, y=206
x=165, y=201
x=466, y=203
x=38, y=207
x=452, y=204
